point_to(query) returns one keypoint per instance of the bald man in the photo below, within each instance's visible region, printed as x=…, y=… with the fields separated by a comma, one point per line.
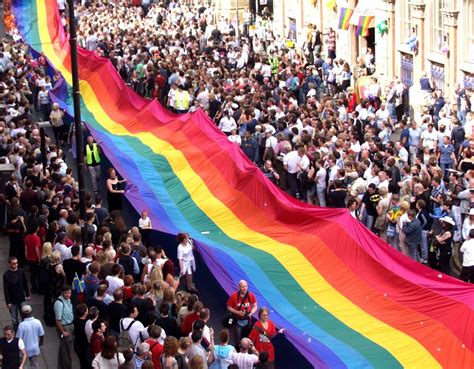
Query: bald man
x=242, y=304
x=247, y=356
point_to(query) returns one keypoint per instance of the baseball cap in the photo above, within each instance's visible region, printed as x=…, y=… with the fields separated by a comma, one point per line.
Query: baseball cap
x=25, y=309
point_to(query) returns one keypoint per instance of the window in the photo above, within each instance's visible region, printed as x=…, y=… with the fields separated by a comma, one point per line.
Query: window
x=439, y=34
x=437, y=74
x=407, y=69
x=468, y=81
x=468, y=33
x=406, y=20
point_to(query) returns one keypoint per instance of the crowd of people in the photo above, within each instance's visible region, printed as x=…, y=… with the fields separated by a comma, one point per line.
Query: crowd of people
x=114, y=297
x=298, y=117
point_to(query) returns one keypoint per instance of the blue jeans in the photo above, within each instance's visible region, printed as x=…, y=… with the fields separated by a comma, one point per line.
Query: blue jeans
x=413, y=251
x=461, y=115
x=321, y=196
x=392, y=111
x=424, y=245
x=292, y=178
x=368, y=220
x=14, y=312
x=445, y=167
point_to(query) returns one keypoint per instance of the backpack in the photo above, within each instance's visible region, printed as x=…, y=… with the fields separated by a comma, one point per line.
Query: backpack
x=124, y=341
x=49, y=316
x=136, y=254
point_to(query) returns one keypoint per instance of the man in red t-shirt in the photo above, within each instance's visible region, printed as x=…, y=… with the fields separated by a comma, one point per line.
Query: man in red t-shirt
x=33, y=254
x=156, y=348
x=242, y=304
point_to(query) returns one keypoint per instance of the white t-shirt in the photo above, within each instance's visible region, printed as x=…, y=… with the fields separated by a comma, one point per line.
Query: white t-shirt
x=114, y=284
x=382, y=115
x=134, y=330
x=100, y=362
x=88, y=329
x=144, y=223
x=227, y=124
x=321, y=178
x=292, y=160
x=271, y=142
x=429, y=138
x=244, y=360
x=333, y=173
x=383, y=184
x=235, y=139
x=467, y=250
x=172, y=97
x=64, y=251
x=185, y=253
x=355, y=147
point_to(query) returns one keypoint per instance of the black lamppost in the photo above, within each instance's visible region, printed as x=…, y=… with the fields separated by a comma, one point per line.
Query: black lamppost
x=76, y=96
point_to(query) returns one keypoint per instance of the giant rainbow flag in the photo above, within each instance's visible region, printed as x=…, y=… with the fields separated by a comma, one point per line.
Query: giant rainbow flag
x=346, y=299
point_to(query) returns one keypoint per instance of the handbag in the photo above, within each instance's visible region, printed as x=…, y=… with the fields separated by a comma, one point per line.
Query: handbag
x=229, y=318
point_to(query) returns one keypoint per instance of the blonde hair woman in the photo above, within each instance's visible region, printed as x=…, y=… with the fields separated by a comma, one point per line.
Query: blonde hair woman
x=44, y=263
x=56, y=278
x=155, y=276
x=170, y=299
x=101, y=257
x=56, y=118
x=47, y=250
x=156, y=294
x=406, y=192
x=108, y=236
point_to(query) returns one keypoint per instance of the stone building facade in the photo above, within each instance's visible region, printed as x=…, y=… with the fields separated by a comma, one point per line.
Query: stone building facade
x=444, y=31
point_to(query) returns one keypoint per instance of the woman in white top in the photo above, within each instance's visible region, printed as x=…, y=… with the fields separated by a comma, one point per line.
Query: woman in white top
x=234, y=137
x=109, y=358
x=468, y=224
x=187, y=264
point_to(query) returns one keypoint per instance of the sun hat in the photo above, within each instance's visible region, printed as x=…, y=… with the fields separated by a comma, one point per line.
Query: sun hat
x=448, y=220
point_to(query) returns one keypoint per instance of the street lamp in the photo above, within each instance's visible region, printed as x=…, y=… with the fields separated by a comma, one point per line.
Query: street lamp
x=76, y=97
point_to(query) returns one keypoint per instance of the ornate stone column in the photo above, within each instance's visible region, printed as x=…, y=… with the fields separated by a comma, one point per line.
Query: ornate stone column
x=418, y=21
x=451, y=23
x=391, y=54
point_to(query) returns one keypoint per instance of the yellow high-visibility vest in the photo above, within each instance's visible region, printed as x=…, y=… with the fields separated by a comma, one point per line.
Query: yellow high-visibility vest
x=182, y=99
x=89, y=153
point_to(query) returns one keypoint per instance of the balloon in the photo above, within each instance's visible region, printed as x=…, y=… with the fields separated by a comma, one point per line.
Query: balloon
x=382, y=27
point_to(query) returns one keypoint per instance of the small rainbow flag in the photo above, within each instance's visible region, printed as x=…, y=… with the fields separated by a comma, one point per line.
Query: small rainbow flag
x=363, y=26
x=345, y=15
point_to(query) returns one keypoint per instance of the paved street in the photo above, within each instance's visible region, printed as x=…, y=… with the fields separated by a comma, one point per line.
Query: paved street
x=49, y=351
